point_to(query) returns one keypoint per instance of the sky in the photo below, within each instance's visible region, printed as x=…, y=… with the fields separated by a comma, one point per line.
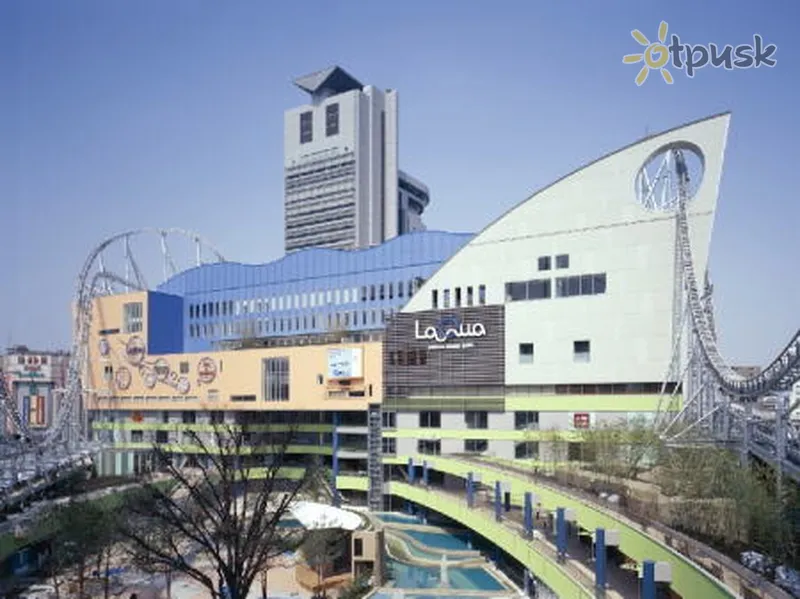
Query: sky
x=130, y=114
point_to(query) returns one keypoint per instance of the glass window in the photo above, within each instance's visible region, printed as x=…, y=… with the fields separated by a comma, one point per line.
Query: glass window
x=435, y=299
x=389, y=419
x=476, y=419
x=526, y=353
x=469, y=296
x=544, y=262
x=562, y=261
x=526, y=450
x=526, y=420
x=430, y=419
x=446, y=299
x=276, y=378
x=389, y=446
x=516, y=292
x=581, y=351
x=482, y=295
x=429, y=447
x=599, y=285
x=132, y=317
x=475, y=445
x=306, y=127
x=331, y=120
x=458, y=297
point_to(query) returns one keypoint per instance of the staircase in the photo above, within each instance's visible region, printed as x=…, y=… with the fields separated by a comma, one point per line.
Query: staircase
x=374, y=460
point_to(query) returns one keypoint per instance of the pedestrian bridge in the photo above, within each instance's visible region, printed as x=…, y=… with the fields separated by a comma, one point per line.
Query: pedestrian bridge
x=524, y=516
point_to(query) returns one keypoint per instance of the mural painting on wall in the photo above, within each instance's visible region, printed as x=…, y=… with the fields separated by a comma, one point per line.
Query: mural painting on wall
x=123, y=378
x=152, y=371
x=206, y=371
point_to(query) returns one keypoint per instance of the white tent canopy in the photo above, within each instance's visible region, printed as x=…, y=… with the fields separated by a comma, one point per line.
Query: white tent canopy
x=318, y=516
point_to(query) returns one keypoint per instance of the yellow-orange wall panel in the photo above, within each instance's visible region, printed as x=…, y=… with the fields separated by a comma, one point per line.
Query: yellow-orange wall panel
x=227, y=373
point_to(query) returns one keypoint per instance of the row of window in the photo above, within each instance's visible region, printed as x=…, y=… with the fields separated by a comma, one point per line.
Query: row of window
x=581, y=352
x=331, y=123
x=308, y=322
x=459, y=299
x=299, y=301
x=523, y=450
x=594, y=284
x=473, y=420
x=545, y=262
x=32, y=360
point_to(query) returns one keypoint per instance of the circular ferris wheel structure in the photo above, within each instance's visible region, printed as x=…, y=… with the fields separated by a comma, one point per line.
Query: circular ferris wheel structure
x=126, y=262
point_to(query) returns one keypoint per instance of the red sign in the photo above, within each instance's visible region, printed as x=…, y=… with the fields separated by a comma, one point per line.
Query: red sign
x=580, y=420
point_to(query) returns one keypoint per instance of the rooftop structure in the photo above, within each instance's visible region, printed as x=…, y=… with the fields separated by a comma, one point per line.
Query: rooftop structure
x=343, y=188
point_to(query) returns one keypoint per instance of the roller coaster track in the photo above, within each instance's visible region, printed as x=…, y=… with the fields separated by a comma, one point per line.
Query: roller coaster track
x=726, y=398
x=30, y=463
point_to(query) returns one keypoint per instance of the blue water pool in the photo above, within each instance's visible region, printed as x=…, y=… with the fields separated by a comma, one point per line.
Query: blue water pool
x=397, y=518
x=437, y=540
x=415, y=577
x=289, y=523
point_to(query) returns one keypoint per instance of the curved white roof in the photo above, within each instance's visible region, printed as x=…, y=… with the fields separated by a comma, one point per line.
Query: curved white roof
x=318, y=516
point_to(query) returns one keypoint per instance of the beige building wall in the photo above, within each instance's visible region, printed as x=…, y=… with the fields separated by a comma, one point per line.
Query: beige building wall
x=123, y=376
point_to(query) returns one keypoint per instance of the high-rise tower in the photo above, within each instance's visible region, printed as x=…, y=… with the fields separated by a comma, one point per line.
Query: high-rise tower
x=343, y=188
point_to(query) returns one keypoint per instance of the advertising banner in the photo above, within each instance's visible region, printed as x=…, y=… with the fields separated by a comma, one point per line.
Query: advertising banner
x=345, y=363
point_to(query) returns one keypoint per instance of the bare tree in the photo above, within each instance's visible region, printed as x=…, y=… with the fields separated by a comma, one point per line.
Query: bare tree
x=219, y=522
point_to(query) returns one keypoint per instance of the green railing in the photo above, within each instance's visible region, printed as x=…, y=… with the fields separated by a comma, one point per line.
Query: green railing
x=688, y=579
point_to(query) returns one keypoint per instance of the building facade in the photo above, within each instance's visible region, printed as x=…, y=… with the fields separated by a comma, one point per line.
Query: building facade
x=32, y=379
x=578, y=285
x=342, y=185
x=293, y=342
x=557, y=318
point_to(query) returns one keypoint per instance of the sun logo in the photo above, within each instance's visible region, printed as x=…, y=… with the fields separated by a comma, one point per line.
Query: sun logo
x=655, y=55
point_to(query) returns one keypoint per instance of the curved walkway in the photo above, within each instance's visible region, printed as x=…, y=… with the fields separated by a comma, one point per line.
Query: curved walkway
x=688, y=579
x=569, y=579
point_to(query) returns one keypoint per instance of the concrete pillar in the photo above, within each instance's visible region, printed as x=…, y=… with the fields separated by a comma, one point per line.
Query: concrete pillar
x=411, y=472
x=498, y=506
x=648, y=579
x=507, y=498
x=527, y=582
x=561, y=532
x=528, y=515
x=470, y=490
x=600, y=559
x=335, y=460
x=425, y=473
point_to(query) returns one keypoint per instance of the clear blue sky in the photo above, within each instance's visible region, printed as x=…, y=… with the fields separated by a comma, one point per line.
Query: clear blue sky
x=118, y=115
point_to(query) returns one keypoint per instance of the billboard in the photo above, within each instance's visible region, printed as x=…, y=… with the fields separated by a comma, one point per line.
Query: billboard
x=437, y=348
x=31, y=368
x=345, y=363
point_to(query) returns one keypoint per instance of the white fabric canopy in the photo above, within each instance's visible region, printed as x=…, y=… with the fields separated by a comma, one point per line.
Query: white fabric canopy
x=318, y=516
